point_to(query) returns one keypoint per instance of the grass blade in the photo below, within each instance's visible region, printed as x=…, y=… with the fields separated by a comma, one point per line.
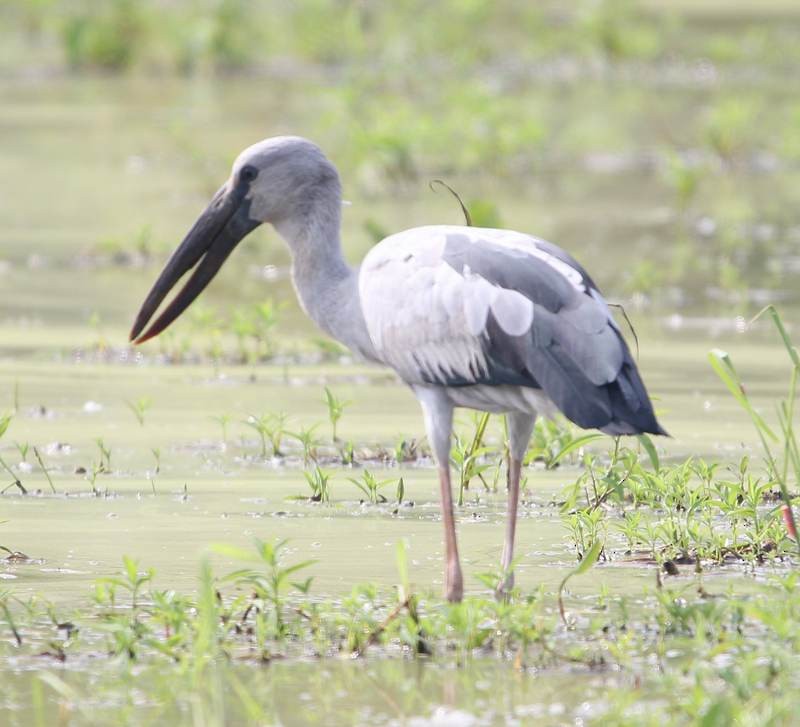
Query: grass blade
x=650, y=448
x=576, y=443
x=589, y=559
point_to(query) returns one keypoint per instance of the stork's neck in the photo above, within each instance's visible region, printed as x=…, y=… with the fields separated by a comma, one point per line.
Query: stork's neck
x=326, y=285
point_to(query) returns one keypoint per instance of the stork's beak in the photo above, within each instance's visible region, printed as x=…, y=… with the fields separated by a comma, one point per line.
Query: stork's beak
x=223, y=225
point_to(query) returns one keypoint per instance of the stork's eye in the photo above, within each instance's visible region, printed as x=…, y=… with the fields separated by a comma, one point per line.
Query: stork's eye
x=248, y=173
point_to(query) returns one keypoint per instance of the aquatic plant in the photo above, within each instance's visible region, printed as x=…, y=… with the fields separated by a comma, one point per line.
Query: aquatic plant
x=140, y=407
x=22, y=448
x=336, y=409
x=265, y=317
x=243, y=328
x=319, y=482
x=468, y=456
x=371, y=486
x=787, y=459
x=156, y=470
x=308, y=441
x=405, y=450
x=553, y=440
x=587, y=561
x=347, y=453
x=223, y=420
x=45, y=469
x=264, y=611
x=270, y=428
x=105, y=455
x=5, y=421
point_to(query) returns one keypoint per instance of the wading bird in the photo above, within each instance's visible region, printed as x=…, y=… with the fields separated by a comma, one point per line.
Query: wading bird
x=487, y=319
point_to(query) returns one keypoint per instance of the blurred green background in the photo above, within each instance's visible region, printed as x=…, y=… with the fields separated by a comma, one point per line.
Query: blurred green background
x=657, y=141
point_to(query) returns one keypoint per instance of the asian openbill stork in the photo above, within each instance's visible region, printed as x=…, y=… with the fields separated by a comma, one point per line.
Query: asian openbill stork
x=487, y=319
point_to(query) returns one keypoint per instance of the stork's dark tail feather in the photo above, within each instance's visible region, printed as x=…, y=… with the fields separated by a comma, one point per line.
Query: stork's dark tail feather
x=632, y=411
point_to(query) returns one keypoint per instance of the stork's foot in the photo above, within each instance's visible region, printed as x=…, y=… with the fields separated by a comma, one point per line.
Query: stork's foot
x=503, y=591
x=453, y=583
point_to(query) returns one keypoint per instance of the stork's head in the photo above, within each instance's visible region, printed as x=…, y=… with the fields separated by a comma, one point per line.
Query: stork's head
x=278, y=180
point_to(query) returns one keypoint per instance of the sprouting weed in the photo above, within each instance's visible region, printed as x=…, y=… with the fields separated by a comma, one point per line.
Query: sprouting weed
x=496, y=578
x=255, y=324
x=15, y=481
x=5, y=421
x=243, y=328
x=95, y=323
x=269, y=582
x=22, y=448
x=223, y=420
x=336, y=408
x=494, y=483
x=105, y=455
x=45, y=470
x=468, y=457
x=308, y=441
x=684, y=178
x=705, y=470
x=95, y=469
x=140, y=408
x=586, y=526
x=588, y=559
x=630, y=527
x=347, y=452
x=553, y=441
x=157, y=457
x=405, y=451
x=370, y=486
x=156, y=470
x=206, y=320
x=318, y=481
x=132, y=580
x=786, y=458
x=270, y=428
x=328, y=348
x=265, y=318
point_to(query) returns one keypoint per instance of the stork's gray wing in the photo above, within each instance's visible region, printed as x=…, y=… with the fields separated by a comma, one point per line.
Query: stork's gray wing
x=459, y=306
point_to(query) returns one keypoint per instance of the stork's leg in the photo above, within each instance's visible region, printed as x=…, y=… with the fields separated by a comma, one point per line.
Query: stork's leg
x=520, y=427
x=439, y=423
x=453, y=580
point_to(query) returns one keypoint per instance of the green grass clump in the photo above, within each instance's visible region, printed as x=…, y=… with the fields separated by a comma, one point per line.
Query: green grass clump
x=105, y=35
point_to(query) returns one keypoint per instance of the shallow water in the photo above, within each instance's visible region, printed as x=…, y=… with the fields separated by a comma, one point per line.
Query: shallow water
x=211, y=492
x=345, y=692
x=208, y=491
